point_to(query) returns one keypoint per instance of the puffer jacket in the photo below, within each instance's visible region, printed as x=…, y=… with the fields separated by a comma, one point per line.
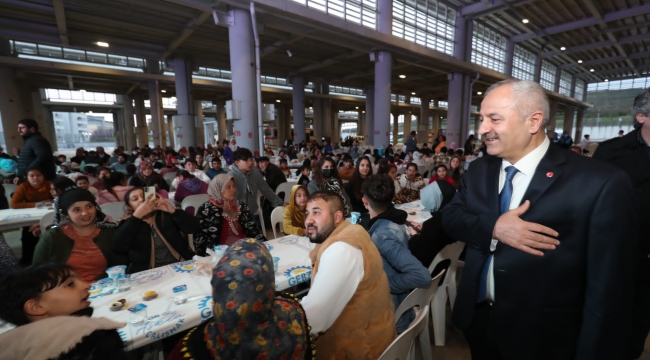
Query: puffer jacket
x=36, y=153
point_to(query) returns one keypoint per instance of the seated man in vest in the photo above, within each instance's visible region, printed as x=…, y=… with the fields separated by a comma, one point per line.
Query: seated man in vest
x=349, y=306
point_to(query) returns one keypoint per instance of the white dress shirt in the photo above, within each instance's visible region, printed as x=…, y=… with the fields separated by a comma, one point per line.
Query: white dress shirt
x=526, y=166
x=197, y=173
x=339, y=273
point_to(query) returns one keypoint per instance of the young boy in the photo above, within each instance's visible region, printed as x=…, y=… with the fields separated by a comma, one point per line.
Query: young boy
x=304, y=175
x=83, y=182
x=49, y=305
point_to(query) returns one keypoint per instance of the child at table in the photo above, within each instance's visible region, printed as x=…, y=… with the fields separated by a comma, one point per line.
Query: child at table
x=304, y=180
x=294, y=213
x=49, y=305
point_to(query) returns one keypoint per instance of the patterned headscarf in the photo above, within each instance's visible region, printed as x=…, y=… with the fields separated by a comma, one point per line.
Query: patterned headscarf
x=215, y=188
x=143, y=165
x=72, y=195
x=251, y=321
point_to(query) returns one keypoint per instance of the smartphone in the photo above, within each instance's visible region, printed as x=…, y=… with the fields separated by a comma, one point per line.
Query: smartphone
x=148, y=191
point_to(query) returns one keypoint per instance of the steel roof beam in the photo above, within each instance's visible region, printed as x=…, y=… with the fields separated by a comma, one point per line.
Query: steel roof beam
x=59, y=14
x=596, y=45
x=187, y=31
x=278, y=44
x=326, y=62
x=485, y=8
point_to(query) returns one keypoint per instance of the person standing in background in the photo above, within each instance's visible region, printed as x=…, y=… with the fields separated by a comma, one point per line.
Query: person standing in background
x=35, y=153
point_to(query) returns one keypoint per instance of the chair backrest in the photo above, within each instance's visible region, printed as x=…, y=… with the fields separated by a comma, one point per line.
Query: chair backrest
x=169, y=177
x=9, y=190
x=418, y=297
x=400, y=348
x=114, y=210
x=421, y=169
x=451, y=252
x=46, y=220
x=277, y=217
x=285, y=188
x=194, y=201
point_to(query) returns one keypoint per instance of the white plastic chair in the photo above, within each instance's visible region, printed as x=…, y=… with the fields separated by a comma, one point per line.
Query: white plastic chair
x=169, y=177
x=46, y=220
x=421, y=297
x=400, y=348
x=447, y=289
x=194, y=201
x=9, y=189
x=114, y=210
x=285, y=187
x=277, y=217
x=259, y=212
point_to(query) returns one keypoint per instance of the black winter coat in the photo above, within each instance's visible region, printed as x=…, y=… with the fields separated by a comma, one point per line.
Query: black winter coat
x=133, y=237
x=36, y=153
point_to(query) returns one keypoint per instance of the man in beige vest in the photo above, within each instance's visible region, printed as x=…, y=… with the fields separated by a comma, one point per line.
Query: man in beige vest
x=348, y=307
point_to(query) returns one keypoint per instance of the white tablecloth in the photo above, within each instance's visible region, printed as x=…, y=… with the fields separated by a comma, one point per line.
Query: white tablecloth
x=421, y=214
x=18, y=218
x=166, y=318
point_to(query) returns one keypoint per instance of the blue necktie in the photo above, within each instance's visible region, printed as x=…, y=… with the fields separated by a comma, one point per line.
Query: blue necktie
x=504, y=206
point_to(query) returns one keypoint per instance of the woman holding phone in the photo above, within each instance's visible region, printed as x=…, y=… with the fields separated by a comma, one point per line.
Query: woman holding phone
x=153, y=235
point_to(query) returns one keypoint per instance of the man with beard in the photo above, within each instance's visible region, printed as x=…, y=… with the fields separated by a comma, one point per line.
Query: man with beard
x=36, y=153
x=348, y=306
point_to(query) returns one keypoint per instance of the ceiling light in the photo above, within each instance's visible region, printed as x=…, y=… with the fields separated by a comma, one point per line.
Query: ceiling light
x=173, y=98
x=606, y=80
x=402, y=76
x=562, y=48
x=102, y=44
x=479, y=93
x=579, y=61
x=525, y=21
x=412, y=93
x=357, y=108
x=310, y=108
x=90, y=112
x=363, y=112
x=163, y=91
x=277, y=100
x=592, y=70
x=82, y=90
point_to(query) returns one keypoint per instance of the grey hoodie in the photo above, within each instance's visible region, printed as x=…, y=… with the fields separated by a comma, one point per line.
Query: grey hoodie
x=248, y=185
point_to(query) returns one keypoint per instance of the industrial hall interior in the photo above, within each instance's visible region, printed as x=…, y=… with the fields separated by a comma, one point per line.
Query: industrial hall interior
x=206, y=173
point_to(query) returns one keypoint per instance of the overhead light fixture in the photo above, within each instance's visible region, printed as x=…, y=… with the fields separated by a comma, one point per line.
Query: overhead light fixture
x=606, y=80
x=90, y=112
x=562, y=48
x=579, y=61
x=592, y=70
x=82, y=90
x=363, y=112
x=402, y=76
x=310, y=108
x=357, y=107
x=412, y=93
x=163, y=91
x=277, y=100
x=102, y=44
x=479, y=93
x=173, y=98
x=525, y=21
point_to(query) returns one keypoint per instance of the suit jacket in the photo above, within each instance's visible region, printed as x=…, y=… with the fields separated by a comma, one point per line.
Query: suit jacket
x=630, y=155
x=571, y=303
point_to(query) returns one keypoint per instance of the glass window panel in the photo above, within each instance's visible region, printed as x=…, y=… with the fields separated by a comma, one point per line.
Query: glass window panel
x=547, y=76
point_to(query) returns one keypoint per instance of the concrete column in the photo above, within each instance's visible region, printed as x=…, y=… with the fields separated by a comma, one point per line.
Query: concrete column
x=477, y=125
x=13, y=108
x=360, y=116
x=558, y=76
x=184, y=122
x=408, y=118
x=569, y=113
x=170, y=129
x=242, y=66
x=221, y=120
x=142, y=132
x=395, y=127
x=458, y=109
x=335, y=125
x=129, y=127
x=200, y=130
x=510, y=54
x=423, y=120
x=118, y=128
x=36, y=110
x=538, y=67
x=369, y=123
x=579, y=122
x=552, y=117
x=281, y=123
x=383, y=69
x=573, y=87
x=48, y=119
x=156, y=110
x=435, y=123
x=317, y=121
x=298, y=84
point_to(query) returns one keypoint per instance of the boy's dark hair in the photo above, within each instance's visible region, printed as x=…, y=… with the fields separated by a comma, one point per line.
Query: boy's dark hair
x=61, y=156
x=29, y=123
x=283, y=161
x=190, y=161
x=443, y=150
x=304, y=167
x=131, y=169
x=379, y=190
x=334, y=200
x=90, y=170
x=216, y=159
x=440, y=166
x=459, y=152
x=21, y=286
x=80, y=178
x=186, y=174
x=123, y=155
x=412, y=165
x=242, y=154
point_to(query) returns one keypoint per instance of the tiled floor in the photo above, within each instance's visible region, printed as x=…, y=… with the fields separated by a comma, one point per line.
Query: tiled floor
x=455, y=345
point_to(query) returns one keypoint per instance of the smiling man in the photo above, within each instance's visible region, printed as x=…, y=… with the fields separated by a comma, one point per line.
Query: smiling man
x=349, y=306
x=548, y=268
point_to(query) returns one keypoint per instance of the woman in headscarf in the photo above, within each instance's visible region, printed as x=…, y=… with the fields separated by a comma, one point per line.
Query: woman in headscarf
x=81, y=238
x=326, y=177
x=153, y=234
x=223, y=219
x=146, y=176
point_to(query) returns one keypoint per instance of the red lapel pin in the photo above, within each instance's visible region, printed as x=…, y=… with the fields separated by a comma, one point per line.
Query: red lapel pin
x=549, y=174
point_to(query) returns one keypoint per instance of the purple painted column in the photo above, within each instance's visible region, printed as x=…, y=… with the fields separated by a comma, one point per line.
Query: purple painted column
x=184, y=123
x=455, y=107
x=298, y=84
x=510, y=54
x=381, y=135
x=242, y=67
x=369, y=126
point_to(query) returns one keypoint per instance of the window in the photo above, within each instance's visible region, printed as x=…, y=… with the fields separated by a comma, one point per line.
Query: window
x=427, y=23
x=580, y=90
x=488, y=48
x=565, y=83
x=637, y=83
x=362, y=12
x=547, y=77
x=523, y=64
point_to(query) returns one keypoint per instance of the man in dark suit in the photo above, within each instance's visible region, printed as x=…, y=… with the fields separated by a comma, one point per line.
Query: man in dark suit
x=549, y=240
x=632, y=154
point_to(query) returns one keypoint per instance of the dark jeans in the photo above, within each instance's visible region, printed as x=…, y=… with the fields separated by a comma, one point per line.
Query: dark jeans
x=29, y=242
x=480, y=334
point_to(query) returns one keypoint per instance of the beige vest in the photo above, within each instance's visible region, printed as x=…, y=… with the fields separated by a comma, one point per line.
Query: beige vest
x=366, y=326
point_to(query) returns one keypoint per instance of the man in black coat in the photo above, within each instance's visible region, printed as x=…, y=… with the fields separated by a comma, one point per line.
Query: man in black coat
x=35, y=153
x=632, y=154
x=274, y=176
x=549, y=236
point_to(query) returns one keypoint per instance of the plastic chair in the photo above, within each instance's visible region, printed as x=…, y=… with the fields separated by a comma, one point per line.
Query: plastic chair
x=46, y=220
x=447, y=288
x=9, y=190
x=285, y=188
x=114, y=210
x=259, y=212
x=169, y=177
x=194, y=201
x=277, y=217
x=400, y=348
x=421, y=297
